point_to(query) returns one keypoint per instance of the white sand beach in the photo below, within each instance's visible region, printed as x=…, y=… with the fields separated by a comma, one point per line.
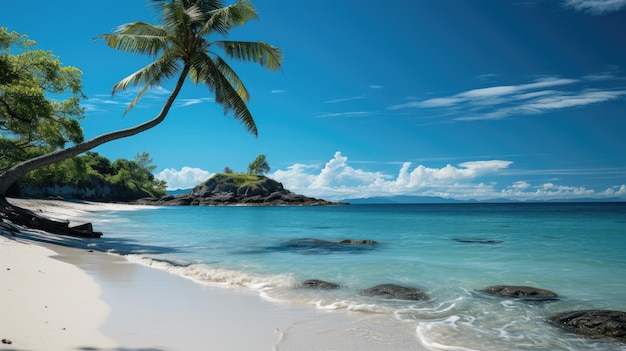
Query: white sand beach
x=61, y=298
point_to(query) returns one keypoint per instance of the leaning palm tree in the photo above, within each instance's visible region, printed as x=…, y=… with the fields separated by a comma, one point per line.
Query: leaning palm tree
x=182, y=48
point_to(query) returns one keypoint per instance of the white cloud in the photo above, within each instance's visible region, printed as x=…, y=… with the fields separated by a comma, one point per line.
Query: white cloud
x=374, y=86
x=189, y=102
x=520, y=185
x=278, y=91
x=337, y=179
x=549, y=100
x=185, y=178
x=344, y=99
x=503, y=101
x=596, y=7
x=344, y=114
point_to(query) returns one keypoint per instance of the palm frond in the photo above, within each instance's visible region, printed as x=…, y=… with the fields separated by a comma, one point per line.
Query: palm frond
x=137, y=38
x=151, y=75
x=233, y=79
x=265, y=54
x=208, y=72
x=223, y=19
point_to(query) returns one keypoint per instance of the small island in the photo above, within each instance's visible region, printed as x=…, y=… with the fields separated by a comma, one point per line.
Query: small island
x=237, y=189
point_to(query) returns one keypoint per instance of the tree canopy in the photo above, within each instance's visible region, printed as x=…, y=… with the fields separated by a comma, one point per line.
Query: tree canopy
x=39, y=101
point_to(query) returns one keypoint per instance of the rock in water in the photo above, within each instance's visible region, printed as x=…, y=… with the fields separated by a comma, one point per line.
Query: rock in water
x=319, y=284
x=594, y=323
x=522, y=292
x=358, y=242
x=393, y=291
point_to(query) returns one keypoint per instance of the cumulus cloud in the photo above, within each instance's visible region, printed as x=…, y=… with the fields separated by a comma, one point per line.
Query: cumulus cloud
x=338, y=179
x=540, y=96
x=185, y=178
x=596, y=7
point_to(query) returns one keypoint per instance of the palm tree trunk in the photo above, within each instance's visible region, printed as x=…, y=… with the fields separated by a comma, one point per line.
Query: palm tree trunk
x=13, y=174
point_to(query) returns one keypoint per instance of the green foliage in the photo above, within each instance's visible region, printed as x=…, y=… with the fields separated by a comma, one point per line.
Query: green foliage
x=237, y=179
x=228, y=170
x=39, y=101
x=128, y=179
x=259, y=166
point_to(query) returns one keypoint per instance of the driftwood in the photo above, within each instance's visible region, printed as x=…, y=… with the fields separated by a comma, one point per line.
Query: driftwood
x=30, y=219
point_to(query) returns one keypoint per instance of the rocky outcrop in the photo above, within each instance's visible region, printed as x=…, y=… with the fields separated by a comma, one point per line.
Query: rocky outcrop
x=522, y=292
x=393, y=291
x=594, y=323
x=225, y=189
x=319, y=284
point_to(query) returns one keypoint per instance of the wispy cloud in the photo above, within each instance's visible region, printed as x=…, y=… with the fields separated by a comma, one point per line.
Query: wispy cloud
x=374, y=86
x=122, y=99
x=339, y=179
x=278, y=91
x=503, y=101
x=343, y=114
x=190, y=102
x=550, y=101
x=334, y=101
x=596, y=7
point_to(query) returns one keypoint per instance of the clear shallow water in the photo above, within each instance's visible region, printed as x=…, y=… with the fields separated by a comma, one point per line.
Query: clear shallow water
x=576, y=250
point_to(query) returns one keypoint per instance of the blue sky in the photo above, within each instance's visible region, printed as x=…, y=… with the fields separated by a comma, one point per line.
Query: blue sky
x=477, y=99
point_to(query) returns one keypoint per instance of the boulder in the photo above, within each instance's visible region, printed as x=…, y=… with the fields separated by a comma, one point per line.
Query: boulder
x=319, y=284
x=393, y=291
x=522, y=292
x=358, y=242
x=594, y=323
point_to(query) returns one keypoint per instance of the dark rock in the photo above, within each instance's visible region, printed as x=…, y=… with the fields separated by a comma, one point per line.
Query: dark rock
x=477, y=241
x=358, y=242
x=318, y=246
x=594, y=323
x=393, y=291
x=319, y=284
x=523, y=292
x=252, y=199
x=277, y=195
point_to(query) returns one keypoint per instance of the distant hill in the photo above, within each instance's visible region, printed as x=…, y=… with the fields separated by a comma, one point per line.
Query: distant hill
x=402, y=199
x=405, y=199
x=179, y=191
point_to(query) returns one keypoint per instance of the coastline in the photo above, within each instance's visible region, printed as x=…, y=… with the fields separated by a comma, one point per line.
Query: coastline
x=128, y=306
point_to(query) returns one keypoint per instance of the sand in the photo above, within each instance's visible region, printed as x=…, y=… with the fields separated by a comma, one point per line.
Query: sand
x=55, y=297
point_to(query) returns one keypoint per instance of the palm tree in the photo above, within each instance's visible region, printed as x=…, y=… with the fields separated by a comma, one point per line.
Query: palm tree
x=181, y=48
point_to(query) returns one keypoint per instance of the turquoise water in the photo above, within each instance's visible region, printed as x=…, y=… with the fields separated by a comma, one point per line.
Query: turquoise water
x=576, y=250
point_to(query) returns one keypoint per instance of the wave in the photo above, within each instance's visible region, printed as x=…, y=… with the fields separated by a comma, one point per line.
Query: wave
x=205, y=274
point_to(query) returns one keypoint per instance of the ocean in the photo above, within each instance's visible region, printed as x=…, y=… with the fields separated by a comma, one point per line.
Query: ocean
x=449, y=251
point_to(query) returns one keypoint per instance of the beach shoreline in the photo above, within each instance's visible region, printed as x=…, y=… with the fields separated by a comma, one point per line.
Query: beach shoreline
x=129, y=306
